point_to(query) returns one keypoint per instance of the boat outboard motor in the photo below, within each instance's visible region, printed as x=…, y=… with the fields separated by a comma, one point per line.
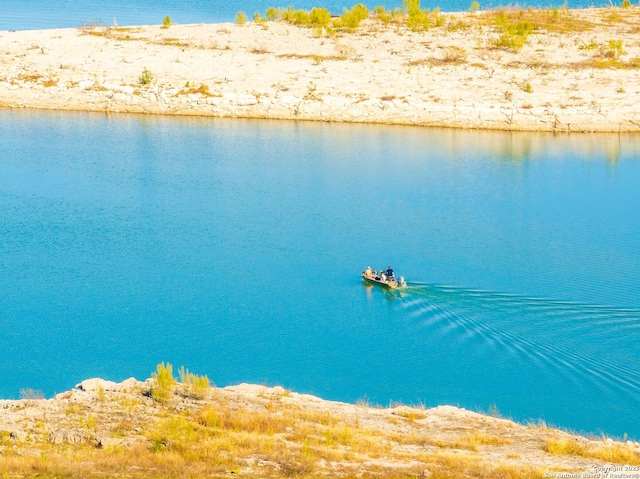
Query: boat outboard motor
x=401, y=281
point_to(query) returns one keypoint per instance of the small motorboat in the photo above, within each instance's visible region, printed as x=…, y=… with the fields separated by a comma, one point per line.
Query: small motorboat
x=382, y=278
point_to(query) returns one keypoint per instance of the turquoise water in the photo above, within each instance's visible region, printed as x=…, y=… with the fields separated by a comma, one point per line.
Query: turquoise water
x=39, y=14
x=234, y=248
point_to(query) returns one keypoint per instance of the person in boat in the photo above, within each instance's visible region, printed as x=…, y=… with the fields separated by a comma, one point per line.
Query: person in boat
x=367, y=272
x=390, y=274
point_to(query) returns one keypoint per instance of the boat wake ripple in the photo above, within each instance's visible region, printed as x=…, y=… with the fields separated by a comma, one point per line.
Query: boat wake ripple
x=587, y=344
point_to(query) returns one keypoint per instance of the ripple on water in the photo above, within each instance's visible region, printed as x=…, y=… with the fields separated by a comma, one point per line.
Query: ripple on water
x=571, y=340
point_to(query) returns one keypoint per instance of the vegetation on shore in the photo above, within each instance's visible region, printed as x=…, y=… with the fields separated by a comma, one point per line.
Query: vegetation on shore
x=168, y=428
x=549, y=69
x=514, y=24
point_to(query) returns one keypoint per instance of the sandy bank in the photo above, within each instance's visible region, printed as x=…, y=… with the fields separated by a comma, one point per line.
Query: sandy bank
x=569, y=75
x=106, y=429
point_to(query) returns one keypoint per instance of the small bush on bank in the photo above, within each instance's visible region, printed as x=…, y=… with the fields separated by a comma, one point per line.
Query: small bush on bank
x=29, y=393
x=615, y=49
x=241, y=18
x=296, y=17
x=419, y=19
x=146, y=77
x=320, y=17
x=350, y=19
x=196, y=386
x=455, y=54
x=273, y=14
x=386, y=17
x=316, y=17
x=163, y=384
x=514, y=32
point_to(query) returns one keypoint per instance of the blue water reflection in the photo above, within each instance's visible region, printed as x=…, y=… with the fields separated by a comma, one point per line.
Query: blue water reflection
x=234, y=248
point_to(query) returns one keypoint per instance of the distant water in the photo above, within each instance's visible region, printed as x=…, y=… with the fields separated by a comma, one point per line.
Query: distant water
x=234, y=248
x=40, y=14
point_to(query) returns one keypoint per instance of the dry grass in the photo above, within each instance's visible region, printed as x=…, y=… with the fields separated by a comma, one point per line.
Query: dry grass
x=459, y=466
x=271, y=436
x=616, y=453
x=551, y=20
x=29, y=78
x=204, y=91
x=317, y=59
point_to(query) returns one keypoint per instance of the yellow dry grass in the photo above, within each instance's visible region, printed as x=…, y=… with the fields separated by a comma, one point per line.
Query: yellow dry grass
x=616, y=453
x=270, y=438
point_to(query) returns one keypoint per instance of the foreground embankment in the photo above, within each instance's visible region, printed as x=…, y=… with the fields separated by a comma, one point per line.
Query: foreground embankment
x=160, y=429
x=567, y=70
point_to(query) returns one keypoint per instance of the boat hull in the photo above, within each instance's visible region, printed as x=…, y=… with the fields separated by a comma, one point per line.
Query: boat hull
x=391, y=284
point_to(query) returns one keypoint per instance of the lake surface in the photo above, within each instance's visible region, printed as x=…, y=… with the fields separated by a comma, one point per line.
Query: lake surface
x=39, y=14
x=235, y=248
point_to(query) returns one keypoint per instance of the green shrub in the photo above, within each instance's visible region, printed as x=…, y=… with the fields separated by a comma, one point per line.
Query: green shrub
x=166, y=23
x=163, y=383
x=475, y=6
x=317, y=17
x=514, y=32
x=296, y=17
x=273, y=13
x=625, y=4
x=196, y=386
x=320, y=17
x=350, y=20
x=241, y=18
x=615, y=49
x=146, y=77
x=257, y=18
x=381, y=14
x=387, y=17
x=421, y=19
x=590, y=46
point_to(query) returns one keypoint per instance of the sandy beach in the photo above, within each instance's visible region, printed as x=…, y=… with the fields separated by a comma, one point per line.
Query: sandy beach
x=577, y=71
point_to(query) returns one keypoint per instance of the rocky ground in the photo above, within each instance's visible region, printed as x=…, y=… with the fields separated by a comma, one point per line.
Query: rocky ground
x=576, y=71
x=104, y=429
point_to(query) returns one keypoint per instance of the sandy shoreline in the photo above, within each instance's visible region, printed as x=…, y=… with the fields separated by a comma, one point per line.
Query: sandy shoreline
x=567, y=76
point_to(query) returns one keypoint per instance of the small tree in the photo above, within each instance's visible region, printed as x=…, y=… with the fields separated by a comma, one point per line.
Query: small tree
x=163, y=383
x=615, y=49
x=146, y=77
x=320, y=17
x=273, y=13
x=241, y=18
x=167, y=22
